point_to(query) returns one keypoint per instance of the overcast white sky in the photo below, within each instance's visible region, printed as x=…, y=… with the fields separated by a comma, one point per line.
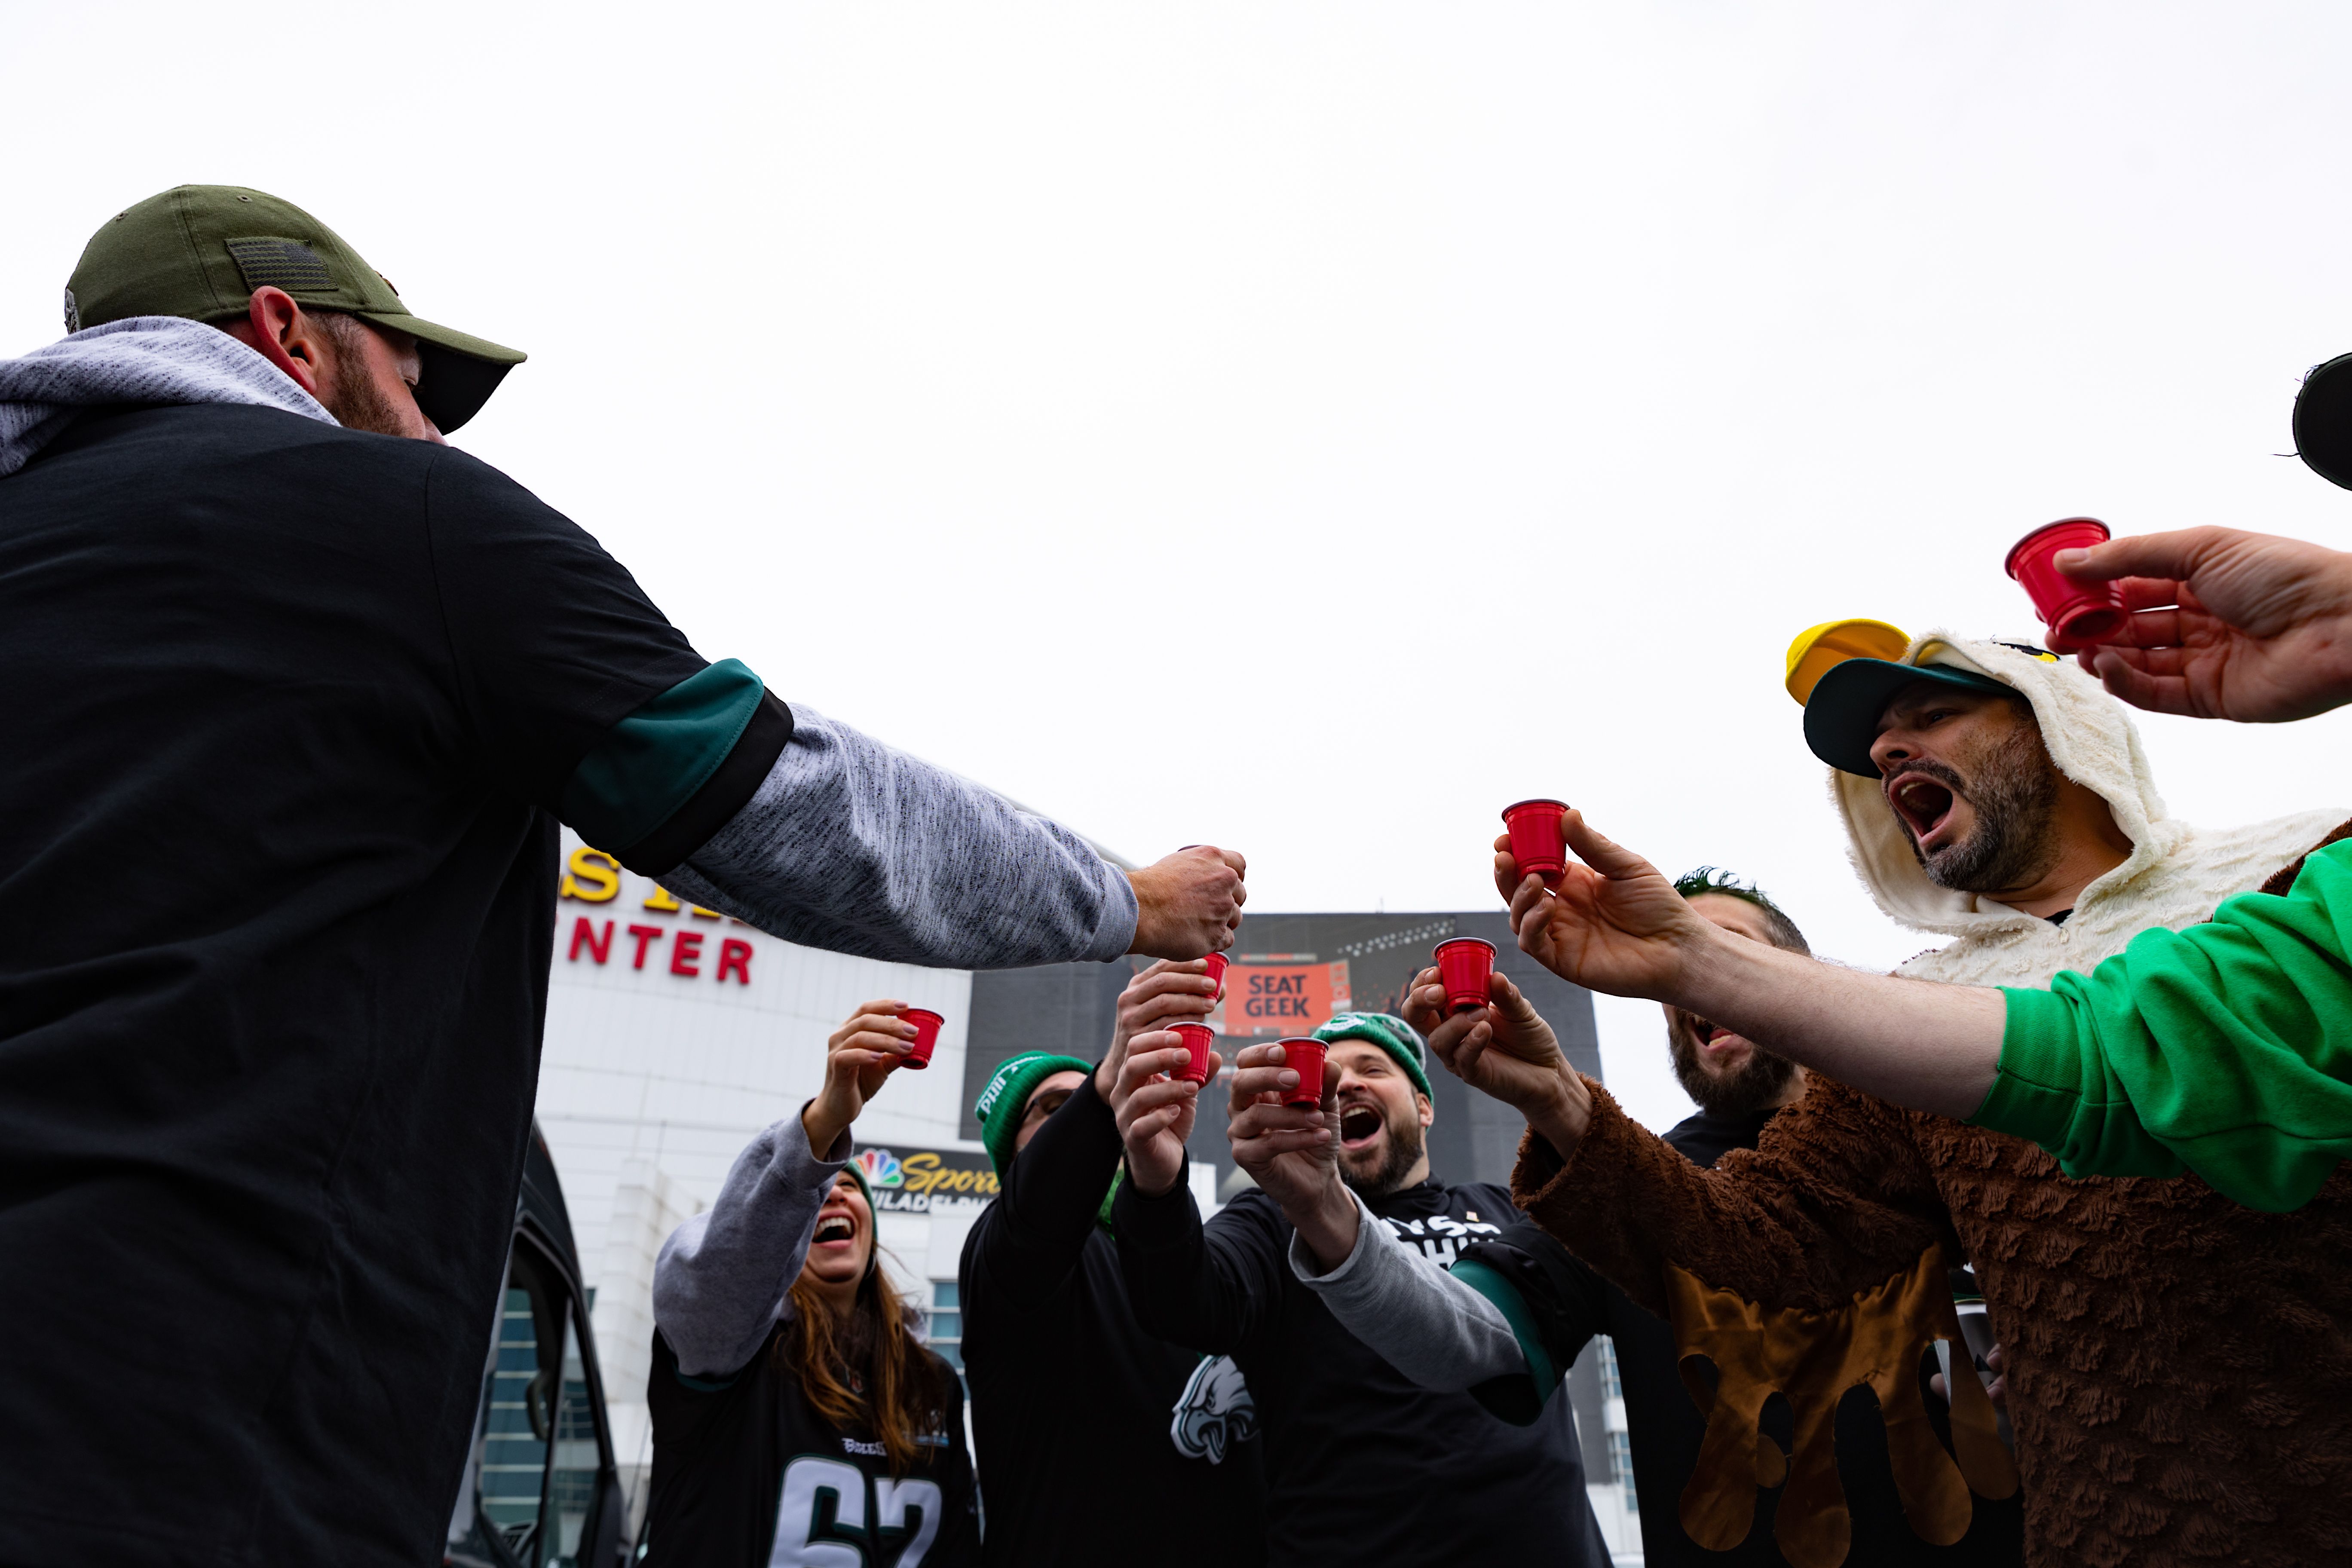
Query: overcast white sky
x=1310, y=427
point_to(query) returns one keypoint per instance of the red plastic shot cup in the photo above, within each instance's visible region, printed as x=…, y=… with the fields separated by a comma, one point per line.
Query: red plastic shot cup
x=1304, y=1057
x=1537, y=842
x=926, y=1037
x=1198, y=1038
x=1217, y=962
x=2079, y=614
x=1463, y=964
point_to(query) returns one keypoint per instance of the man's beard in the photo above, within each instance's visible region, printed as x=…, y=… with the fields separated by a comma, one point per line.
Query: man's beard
x=1405, y=1145
x=361, y=405
x=1759, y=1084
x=2015, y=795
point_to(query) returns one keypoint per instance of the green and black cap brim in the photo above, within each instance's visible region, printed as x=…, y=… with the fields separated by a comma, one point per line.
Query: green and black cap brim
x=1842, y=715
x=2323, y=421
x=460, y=370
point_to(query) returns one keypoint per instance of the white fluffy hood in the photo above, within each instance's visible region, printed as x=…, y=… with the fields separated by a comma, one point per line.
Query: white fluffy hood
x=2176, y=874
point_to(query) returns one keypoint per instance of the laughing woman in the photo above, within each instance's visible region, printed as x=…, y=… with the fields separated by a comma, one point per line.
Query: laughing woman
x=797, y=1421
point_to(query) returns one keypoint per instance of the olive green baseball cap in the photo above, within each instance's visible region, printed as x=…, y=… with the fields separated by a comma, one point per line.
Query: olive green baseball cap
x=200, y=251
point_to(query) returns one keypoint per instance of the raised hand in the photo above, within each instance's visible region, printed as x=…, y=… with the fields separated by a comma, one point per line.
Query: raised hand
x=1188, y=904
x=1292, y=1151
x=1155, y=1112
x=1612, y=923
x=859, y=1056
x=1505, y=1049
x=1172, y=991
x=2226, y=624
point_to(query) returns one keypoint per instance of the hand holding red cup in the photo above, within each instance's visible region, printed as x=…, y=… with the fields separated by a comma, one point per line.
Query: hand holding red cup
x=1198, y=1040
x=926, y=1037
x=1464, y=966
x=1304, y=1057
x=2079, y=614
x=1537, y=843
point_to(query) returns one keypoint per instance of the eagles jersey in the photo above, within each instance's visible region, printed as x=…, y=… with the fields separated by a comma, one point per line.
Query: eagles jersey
x=748, y=1475
x=1362, y=1463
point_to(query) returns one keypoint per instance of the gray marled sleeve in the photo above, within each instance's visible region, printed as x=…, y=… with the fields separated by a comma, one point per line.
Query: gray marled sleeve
x=1424, y=1322
x=852, y=846
x=721, y=1282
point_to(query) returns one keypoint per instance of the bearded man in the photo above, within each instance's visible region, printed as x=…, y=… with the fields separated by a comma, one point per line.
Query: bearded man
x=2177, y=1363
x=1362, y=1464
x=1552, y=1303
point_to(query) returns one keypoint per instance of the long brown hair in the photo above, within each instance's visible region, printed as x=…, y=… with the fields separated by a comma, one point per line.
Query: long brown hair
x=870, y=1368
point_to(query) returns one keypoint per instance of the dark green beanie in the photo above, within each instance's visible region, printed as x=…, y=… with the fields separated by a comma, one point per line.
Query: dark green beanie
x=1389, y=1031
x=1000, y=1104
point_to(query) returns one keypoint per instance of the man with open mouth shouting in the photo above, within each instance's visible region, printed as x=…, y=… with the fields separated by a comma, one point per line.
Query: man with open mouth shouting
x=2174, y=1361
x=1553, y=1303
x=1363, y=1463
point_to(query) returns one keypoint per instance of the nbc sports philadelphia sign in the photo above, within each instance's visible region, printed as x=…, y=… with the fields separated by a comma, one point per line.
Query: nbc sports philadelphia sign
x=927, y=1181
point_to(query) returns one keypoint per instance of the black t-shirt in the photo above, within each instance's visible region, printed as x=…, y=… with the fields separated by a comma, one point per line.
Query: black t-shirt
x=1569, y=1303
x=286, y=709
x=1071, y=1400
x=1362, y=1465
x=748, y=1475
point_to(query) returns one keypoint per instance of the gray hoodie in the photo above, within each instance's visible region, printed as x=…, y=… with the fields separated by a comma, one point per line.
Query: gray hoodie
x=138, y=360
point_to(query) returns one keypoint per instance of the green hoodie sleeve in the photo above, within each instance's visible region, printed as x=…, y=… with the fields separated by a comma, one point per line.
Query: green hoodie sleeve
x=2224, y=1049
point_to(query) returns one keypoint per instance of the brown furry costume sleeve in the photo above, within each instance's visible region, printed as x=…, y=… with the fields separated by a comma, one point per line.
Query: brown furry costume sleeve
x=1811, y=1264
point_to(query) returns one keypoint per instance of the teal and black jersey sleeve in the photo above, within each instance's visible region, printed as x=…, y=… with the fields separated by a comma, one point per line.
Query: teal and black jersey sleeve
x=1554, y=1304
x=666, y=778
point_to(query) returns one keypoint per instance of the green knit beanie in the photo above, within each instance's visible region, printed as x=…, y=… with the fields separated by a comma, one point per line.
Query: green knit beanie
x=1389, y=1031
x=1001, y=1103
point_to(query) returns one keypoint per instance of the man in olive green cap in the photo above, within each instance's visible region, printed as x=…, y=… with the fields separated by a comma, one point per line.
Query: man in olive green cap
x=273, y=277
x=294, y=710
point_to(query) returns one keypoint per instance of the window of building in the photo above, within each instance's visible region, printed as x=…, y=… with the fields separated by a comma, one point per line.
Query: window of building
x=947, y=1326
x=1610, y=1387
x=1620, y=1459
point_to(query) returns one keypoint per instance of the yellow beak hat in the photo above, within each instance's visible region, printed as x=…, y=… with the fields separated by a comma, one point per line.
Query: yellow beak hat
x=1845, y=672
x=1822, y=648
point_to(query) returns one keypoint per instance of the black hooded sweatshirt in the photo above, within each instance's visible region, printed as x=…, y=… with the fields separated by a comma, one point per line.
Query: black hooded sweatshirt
x=1071, y=1399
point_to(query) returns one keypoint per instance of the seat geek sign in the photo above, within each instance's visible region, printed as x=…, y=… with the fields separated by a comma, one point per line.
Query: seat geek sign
x=1275, y=997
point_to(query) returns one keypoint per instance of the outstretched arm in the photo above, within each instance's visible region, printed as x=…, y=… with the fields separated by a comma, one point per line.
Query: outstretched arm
x=852, y=845
x=2226, y=624
x=1615, y=925
x=2216, y=1050
x=1771, y=1227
